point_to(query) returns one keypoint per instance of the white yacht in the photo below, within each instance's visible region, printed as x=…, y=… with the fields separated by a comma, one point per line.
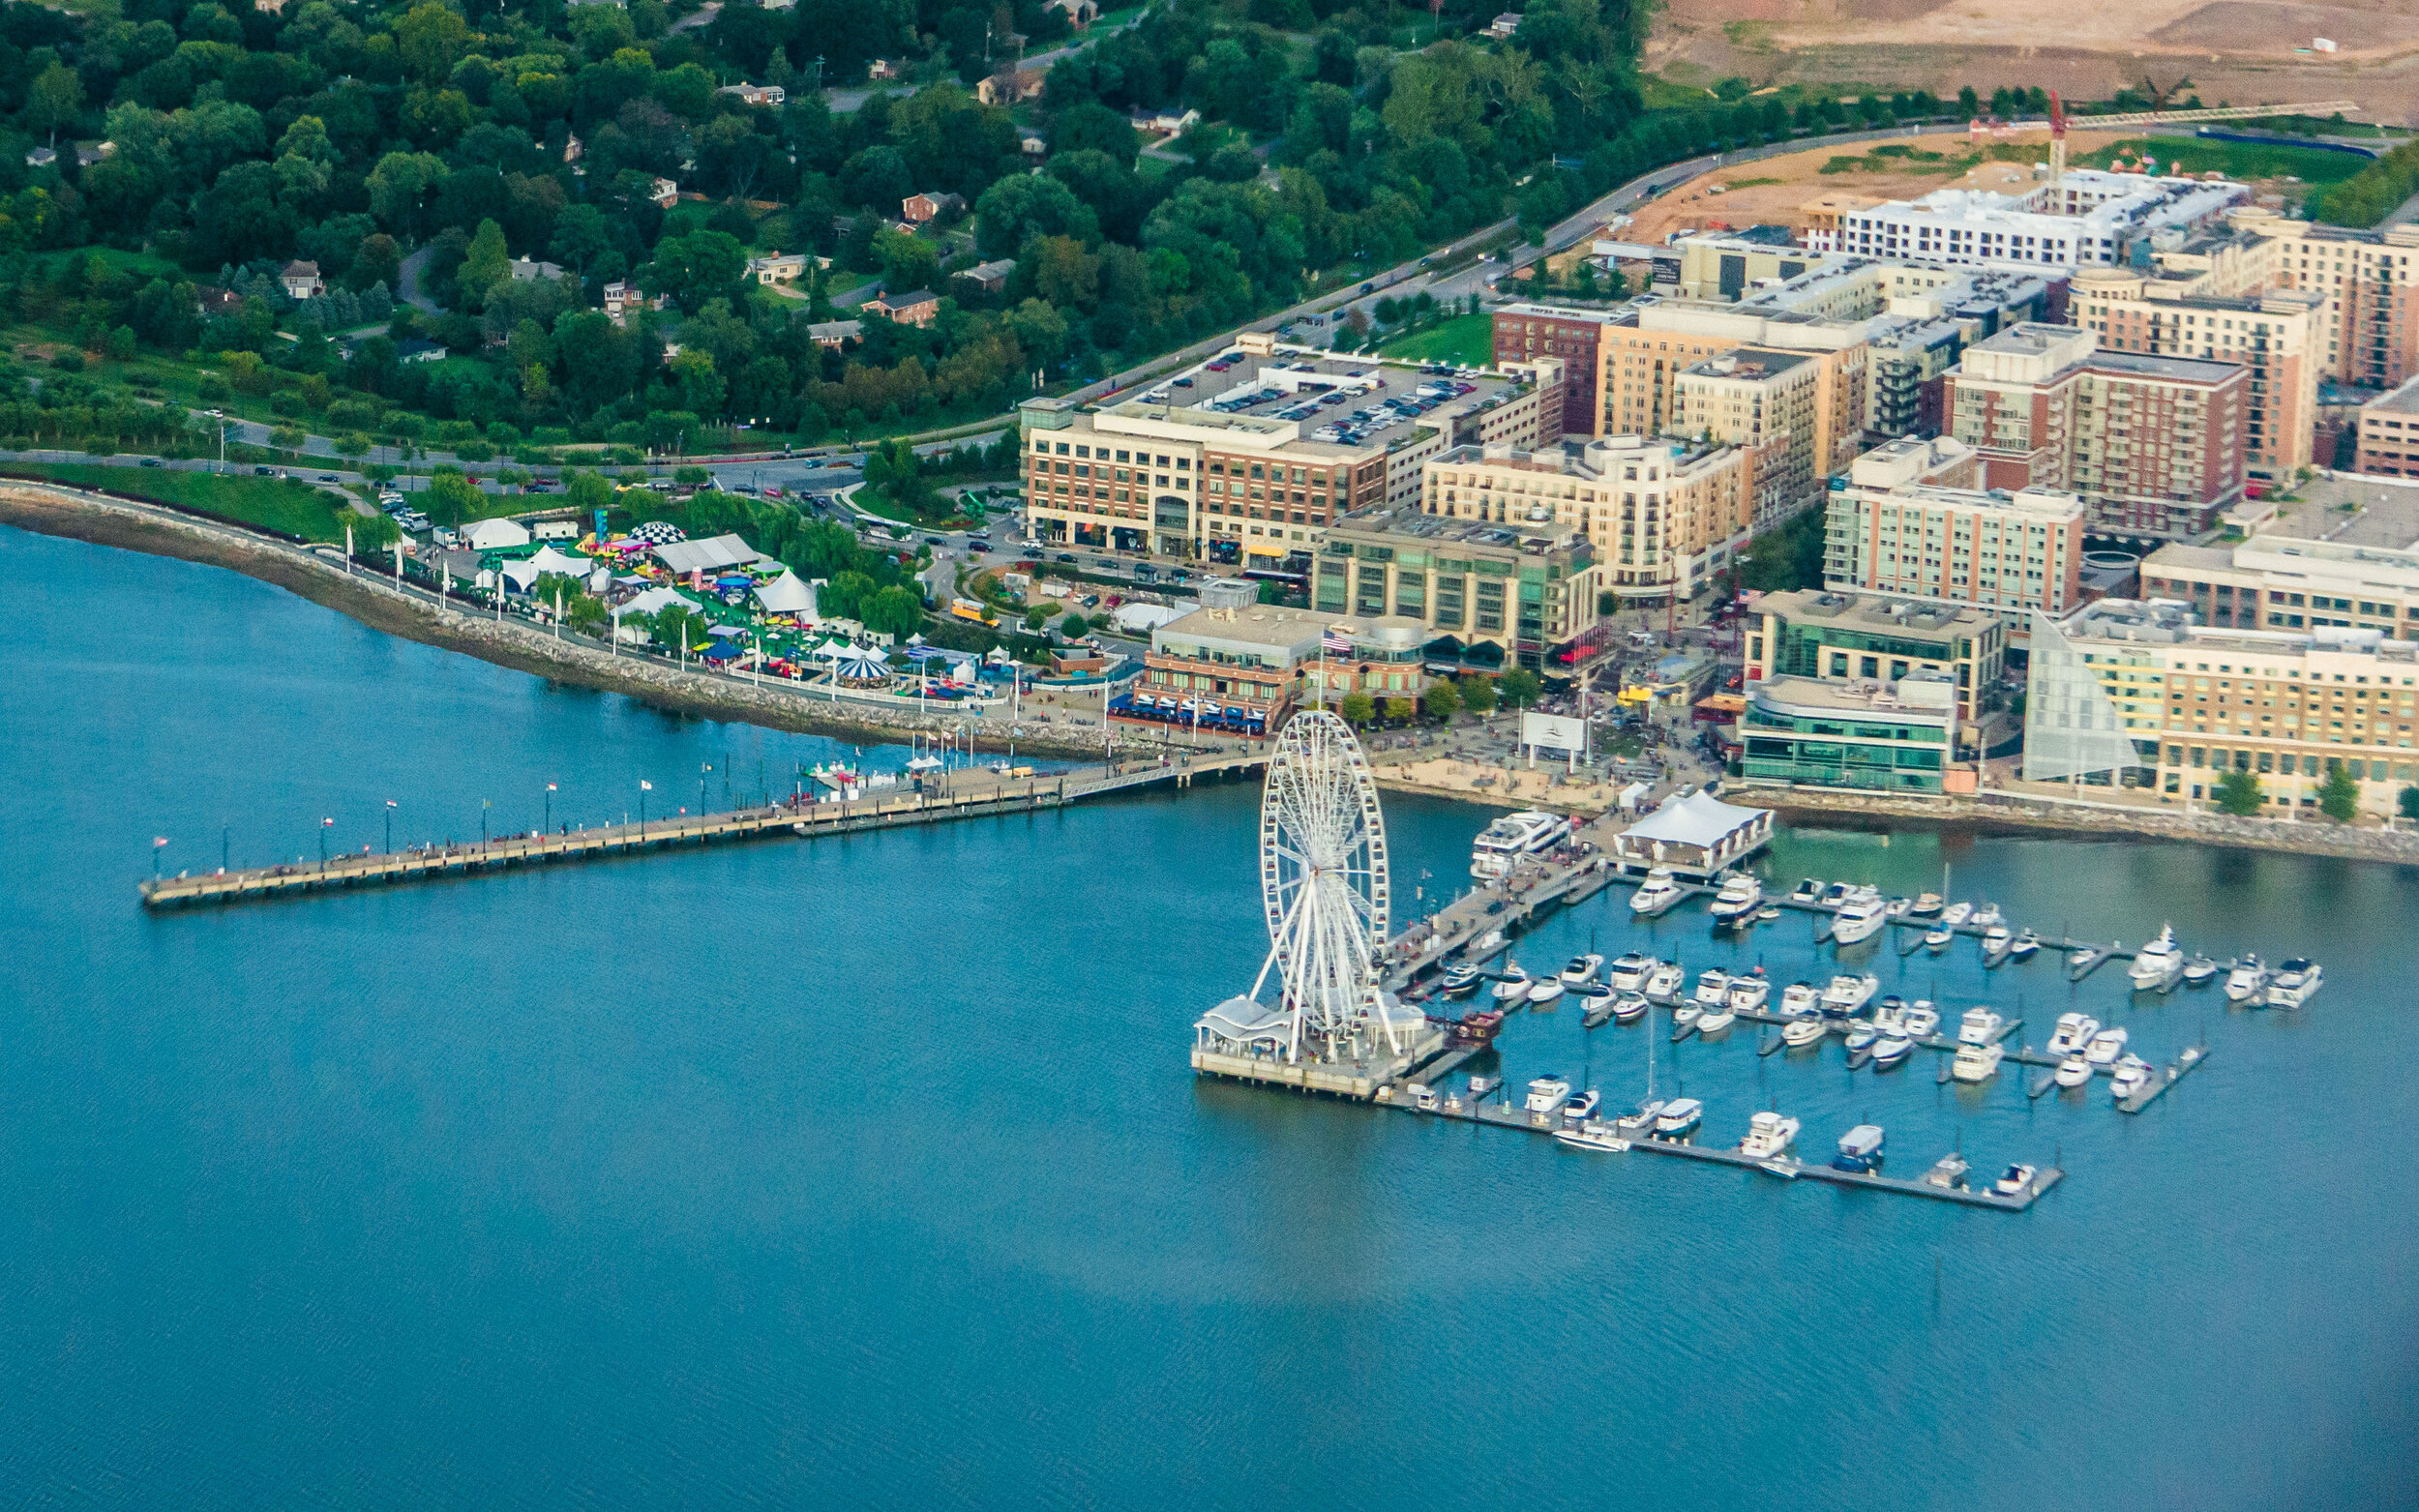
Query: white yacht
x=1750, y=994
x=1890, y=1017
x=2294, y=984
x=1937, y=940
x=1629, y=971
x=1739, y=896
x=1712, y=1020
x=1712, y=986
x=1597, y=1003
x=1547, y=1093
x=1658, y=892
x=1684, y=1018
x=1514, y=985
x=1769, y=1133
x=1847, y=993
x=2131, y=1075
x=2014, y=1181
x=1663, y=983
x=2021, y=948
x=1545, y=990
x=1862, y=1036
x=1922, y=1020
x=1582, y=970
x=1800, y=1032
x=1627, y=1006
x=1926, y=906
x=1948, y=1173
x=1986, y=915
x=2075, y=1031
x=1801, y=999
x=2073, y=1071
x=1995, y=938
x=1511, y=837
x=2158, y=964
x=1859, y=918
x=1976, y=1062
x=1583, y=1107
x=1892, y=1050
x=1957, y=914
x=1980, y=1026
x=1679, y=1118
x=2105, y=1047
x=1593, y=1136
x=2246, y=981
x=2199, y=972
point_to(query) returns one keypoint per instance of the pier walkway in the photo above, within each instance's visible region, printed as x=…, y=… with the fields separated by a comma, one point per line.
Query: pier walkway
x=966, y=793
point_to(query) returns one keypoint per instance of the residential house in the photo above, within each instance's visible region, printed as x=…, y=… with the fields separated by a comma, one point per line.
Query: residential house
x=778, y=267
x=1080, y=14
x=665, y=193
x=42, y=157
x=89, y=152
x=572, y=147
x=621, y=297
x=831, y=333
x=757, y=94
x=882, y=68
x=990, y=277
x=918, y=209
x=1009, y=86
x=414, y=350
x=302, y=281
x=524, y=270
x=1034, y=146
x=1505, y=24
x=1166, y=123
x=918, y=308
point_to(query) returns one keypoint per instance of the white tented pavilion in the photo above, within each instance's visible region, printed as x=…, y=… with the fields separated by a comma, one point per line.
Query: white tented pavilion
x=787, y=594
x=1695, y=836
x=1242, y=1026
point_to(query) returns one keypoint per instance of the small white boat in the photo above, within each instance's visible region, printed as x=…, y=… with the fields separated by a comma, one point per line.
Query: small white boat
x=2131, y=1075
x=1767, y=913
x=1712, y=986
x=1545, y=990
x=1593, y=1136
x=1798, y=1033
x=1640, y=1124
x=1679, y=1118
x=1630, y=970
x=1995, y=939
x=1859, y=1149
x=2105, y=1047
x=1890, y=1017
x=2246, y=981
x=1547, y=1093
x=1801, y=997
x=1749, y=994
x=1862, y=1037
x=1741, y=895
x=1627, y=1006
x=1892, y=1050
x=2294, y=984
x=1922, y=1020
x=2014, y=1181
x=1847, y=993
x=1937, y=940
x=1898, y=907
x=1986, y=915
x=2073, y=1071
x=1425, y=1098
x=2199, y=972
x=1957, y=914
x=2021, y=948
x=1807, y=890
x=1664, y=982
x=1926, y=906
x=1515, y=984
x=1595, y=1002
x=1482, y=1087
x=1769, y=1133
x=1980, y=1026
x=1683, y=1019
x=1582, y=970
x=1583, y=1107
x=1860, y=919
x=1460, y=978
x=2158, y=964
x=1658, y=892
x=2075, y=1031
x=1948, y=1173
x=1976, y=1062
x=1712, y=1020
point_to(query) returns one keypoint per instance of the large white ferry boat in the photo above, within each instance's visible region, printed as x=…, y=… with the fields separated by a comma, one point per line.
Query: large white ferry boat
x=1511, y=837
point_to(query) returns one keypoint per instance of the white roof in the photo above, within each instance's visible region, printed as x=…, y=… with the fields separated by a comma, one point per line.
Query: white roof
x=1699, y=819
x=1145, y=616
x=549, y=560
x=708, y=555
x=1243, y=1019
x=787, y=594
x=488, y=535
x=654, y=601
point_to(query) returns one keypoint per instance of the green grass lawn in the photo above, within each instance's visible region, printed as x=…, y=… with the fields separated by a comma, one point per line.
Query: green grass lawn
x=1467, y=339
x=296, y=509
x=2237, y=160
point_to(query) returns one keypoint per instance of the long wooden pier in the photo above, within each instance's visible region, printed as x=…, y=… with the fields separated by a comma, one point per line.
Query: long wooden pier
x=969, y=793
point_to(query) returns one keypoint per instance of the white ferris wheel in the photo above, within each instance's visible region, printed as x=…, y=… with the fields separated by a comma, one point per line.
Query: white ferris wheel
x=1324, y=880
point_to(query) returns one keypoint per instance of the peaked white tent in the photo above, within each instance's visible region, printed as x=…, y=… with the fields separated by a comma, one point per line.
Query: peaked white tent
x=493, y=535
x=1697, y=834
x=787, y=594
x=654, y=601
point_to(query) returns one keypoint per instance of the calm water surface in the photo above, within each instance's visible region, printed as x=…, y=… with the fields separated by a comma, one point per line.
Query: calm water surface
x=870, y=1174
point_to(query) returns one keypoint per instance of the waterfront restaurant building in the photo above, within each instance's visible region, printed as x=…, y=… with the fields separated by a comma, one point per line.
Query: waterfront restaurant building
x=1843, y=637
x=1695, y=836
x=1488, y=595
x=1234, y=669
x=1895, y=737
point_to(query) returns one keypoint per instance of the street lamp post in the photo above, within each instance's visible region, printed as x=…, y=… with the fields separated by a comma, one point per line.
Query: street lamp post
x=703, y=767
x=550, y=807
x=483, y=808
x=324, y=826
x=644, y=787
x=390, y=824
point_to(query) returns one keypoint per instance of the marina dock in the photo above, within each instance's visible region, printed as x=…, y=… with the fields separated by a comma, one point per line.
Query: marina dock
x=967, y=793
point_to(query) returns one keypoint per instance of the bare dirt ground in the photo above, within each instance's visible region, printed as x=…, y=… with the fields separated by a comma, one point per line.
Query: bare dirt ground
x=2237, y=51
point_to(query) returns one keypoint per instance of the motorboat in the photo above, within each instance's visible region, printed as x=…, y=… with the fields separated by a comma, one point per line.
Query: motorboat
x=1511, y=837
x=1629, y=1006
x=1630, y=970
x=2074, y=1071
x=1892, y=1050
x=1837, y=893
x=1986, y=915
x=1741, y=895
x=1938, y=940
x=1663, y=983
x=1922, y=1020
x=1461, y=979
x=1547, y=1093
x=1977, y=1062
x=1926, y=906
x=1583, y=1107
x=2294, y=984
x=1683, y=1019
x=1658, y=892
x=1801, y=997
x=2199, y=972
x=1890, y=1017
x=1679, y=1118
x=2246, y=981
x=1640, y=1124
x=1592, y=1136
x=1860, y=919
x=1769, y=1133
x=1715, y=1020
x=1480, y=1027
x=1862, y=1036
x=1425, y=1098
x=1980, y=1026
x=2014, y=1181
x=1484, y=1087
x=1769, y=912
x=1806, y=891
x=1712, y=986
x=2158, y=964
x=1995, y=939
x=1957, y=914
x=1898, y=907
x=2075, y=1031
x=1847, y=993
x=1798, y=1033
x=1599, y=1010
x=1948, y=1173
x=2021, y=947
x=1859, y=1149
x=1546, y=989
x=1749, y=994
x=2130, y=1076
x=1582, y=970
x=2106, y=1046
x=2082, y=956
x=1512, y=985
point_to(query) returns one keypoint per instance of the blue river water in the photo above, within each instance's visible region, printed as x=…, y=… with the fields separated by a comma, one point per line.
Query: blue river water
x=870, y=1173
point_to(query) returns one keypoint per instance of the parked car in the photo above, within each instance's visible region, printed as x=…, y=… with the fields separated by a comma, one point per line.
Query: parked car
x=325, y=477
x=151, y=461
x=1066, y=556
x=262, y=472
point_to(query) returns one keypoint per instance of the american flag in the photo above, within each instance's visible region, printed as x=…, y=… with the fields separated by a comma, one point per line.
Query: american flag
x=1337, y=642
